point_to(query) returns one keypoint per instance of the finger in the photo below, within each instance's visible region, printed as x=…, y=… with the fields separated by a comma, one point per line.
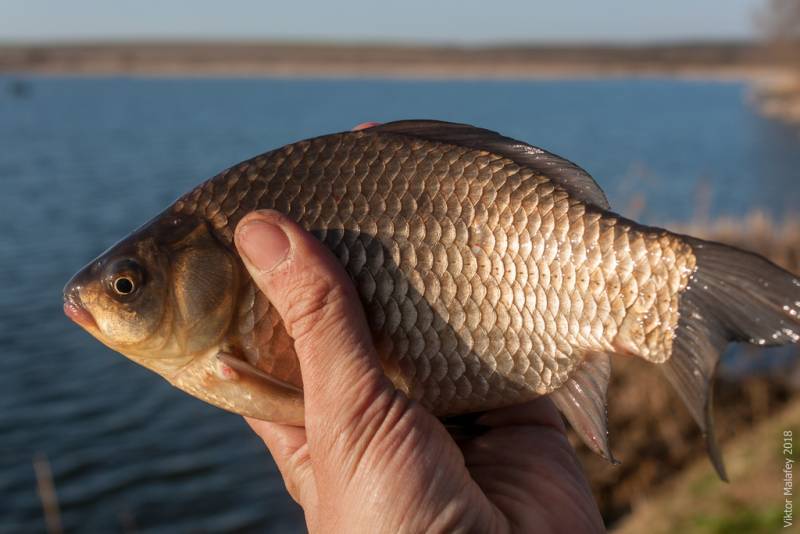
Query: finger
x=288, y=447
x=540, y=411
x=526, y=458
x=519, y=431
x=322, y=313
x=532, y=426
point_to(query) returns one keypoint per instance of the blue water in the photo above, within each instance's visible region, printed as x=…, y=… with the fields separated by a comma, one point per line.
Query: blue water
x=84, y=161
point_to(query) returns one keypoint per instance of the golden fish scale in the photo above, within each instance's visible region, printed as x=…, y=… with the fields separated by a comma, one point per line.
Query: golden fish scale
x=483, y=282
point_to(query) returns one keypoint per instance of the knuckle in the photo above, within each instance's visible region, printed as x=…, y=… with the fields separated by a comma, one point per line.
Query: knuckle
x=296, y=466
x=382, y=436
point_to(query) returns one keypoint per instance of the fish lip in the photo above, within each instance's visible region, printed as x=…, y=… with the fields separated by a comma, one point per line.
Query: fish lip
x=74, y=308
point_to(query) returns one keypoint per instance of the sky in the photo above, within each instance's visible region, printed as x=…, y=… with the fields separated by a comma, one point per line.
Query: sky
x=409, y=21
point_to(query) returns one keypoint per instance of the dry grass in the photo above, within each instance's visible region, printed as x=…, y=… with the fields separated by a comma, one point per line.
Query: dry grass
x=724, y=60
x=756, y=231
x=697, y=502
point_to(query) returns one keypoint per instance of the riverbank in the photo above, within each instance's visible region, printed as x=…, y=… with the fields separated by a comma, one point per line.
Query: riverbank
x=779, y=98
x=761, y=464
x=735, y=60
x=776, y=85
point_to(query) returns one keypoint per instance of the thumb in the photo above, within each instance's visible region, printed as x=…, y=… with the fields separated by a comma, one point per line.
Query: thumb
x=322, y=313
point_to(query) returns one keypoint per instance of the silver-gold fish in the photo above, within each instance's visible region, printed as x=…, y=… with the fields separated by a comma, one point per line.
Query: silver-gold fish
x=492, y=272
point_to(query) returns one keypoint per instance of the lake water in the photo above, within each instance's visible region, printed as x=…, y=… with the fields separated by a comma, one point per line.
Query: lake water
x=84, y=161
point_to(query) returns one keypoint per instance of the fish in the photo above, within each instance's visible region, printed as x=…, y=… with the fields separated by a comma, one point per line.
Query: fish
x=492, y=272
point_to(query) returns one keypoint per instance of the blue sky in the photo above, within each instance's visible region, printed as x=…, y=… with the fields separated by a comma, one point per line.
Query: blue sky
x=455, y=21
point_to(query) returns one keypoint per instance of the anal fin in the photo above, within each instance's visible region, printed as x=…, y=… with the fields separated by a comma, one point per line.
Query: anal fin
x=582, y=400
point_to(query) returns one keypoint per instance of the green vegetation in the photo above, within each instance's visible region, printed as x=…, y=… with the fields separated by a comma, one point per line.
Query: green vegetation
x=697, y=502
x=737, y=520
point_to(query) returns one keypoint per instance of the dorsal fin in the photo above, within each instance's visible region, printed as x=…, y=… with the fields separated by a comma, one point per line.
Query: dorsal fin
x=562, y=172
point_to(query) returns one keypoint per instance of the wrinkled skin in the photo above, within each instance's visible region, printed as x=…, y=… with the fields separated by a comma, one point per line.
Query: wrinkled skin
x=371, y=460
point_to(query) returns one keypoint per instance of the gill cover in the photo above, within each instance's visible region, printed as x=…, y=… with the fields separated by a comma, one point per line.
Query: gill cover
x=204, y=285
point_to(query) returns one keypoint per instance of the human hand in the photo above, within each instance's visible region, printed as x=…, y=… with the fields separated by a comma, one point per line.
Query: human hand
x=371, y=460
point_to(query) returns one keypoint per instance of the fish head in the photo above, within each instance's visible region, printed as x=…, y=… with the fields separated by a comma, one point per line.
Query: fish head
x=162, y=296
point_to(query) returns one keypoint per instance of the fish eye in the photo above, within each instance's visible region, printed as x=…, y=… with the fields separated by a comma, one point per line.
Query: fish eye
x=124, y=278
x=123, y=285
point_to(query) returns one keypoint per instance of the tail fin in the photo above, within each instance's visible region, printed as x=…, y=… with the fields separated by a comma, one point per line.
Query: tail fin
x=733, y=295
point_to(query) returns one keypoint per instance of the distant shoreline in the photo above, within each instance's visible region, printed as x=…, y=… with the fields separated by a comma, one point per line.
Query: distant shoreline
x=767, y=68
x=725, y=61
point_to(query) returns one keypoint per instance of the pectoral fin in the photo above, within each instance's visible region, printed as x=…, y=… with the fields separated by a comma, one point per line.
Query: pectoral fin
x=248, y=371
x=582, y=400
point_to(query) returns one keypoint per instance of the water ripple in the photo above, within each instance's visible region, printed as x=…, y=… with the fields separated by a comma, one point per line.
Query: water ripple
x=84, y=161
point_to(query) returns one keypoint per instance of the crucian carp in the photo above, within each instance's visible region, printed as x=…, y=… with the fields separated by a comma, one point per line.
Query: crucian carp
x=492, y=272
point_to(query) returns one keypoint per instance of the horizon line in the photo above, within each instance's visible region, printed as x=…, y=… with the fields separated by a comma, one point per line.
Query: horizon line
x=382, y=42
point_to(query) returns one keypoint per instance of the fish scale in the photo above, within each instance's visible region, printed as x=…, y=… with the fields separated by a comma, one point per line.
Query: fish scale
x=491, y=272
x=494, y=259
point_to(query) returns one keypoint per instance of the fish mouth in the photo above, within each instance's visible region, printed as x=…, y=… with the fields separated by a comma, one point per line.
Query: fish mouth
x=74, y=308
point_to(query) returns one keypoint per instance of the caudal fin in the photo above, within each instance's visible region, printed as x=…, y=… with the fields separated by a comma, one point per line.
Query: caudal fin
x=733, y=295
